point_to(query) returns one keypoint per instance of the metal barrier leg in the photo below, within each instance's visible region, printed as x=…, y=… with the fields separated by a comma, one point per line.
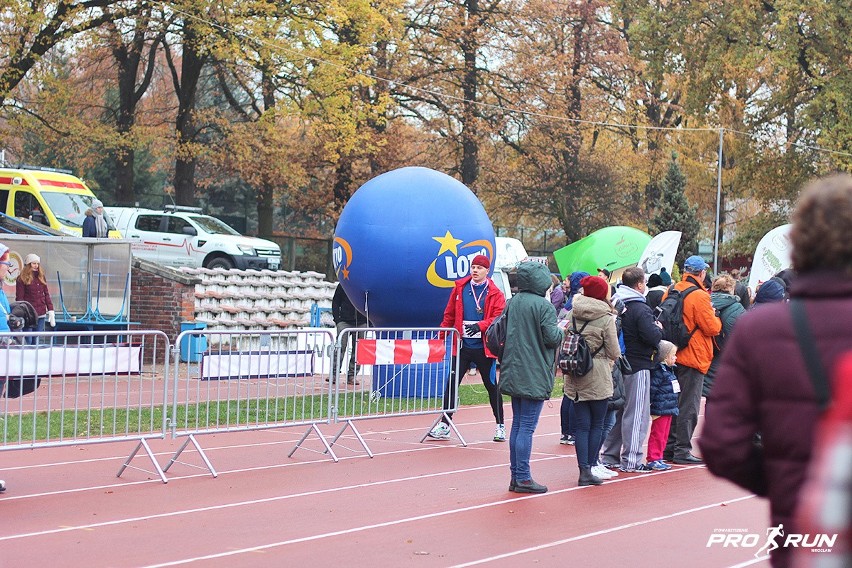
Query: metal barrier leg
x=452, y=427
x=191, y=438
x=351, y=424
x=313, y=428
x=143, y=443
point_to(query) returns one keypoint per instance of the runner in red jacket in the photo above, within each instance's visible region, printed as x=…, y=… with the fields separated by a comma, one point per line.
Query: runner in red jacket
x=473, y=304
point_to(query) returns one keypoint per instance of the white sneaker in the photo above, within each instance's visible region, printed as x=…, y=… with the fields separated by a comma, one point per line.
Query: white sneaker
x=2, y=486
x=602, y=472
x=440, y=432
x=500, y=433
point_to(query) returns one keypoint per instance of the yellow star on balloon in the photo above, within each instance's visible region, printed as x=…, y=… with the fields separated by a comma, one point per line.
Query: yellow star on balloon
x=448, y=243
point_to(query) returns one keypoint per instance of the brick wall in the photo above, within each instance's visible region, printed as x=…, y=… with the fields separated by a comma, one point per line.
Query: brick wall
x=161, y=298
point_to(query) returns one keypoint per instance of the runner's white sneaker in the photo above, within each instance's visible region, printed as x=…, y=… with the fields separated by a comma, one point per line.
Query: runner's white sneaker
x=440, y=432
x=500, y=433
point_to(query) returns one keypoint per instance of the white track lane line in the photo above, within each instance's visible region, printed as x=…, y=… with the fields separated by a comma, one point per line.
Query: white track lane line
x=601, y=532
x=441, y=514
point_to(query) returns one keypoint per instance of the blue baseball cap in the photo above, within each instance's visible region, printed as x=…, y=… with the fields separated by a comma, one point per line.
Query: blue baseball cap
x=695, y=263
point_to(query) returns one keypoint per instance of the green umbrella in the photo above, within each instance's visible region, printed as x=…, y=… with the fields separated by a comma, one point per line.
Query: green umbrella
x=611, y=248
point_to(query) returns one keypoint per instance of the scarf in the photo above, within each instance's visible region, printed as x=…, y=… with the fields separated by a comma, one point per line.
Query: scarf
x=101, y=226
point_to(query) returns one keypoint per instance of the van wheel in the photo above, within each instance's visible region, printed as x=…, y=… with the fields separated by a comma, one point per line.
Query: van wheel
x=220, y=262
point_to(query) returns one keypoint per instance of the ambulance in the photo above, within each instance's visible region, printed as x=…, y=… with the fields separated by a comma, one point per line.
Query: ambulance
x=54, y=198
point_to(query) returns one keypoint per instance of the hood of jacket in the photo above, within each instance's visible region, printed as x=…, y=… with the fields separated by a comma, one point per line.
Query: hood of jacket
x=574, y=280
x=722, y=300
x=533, y=277
x=628, y=294
x=770, y=291
x=587, y=308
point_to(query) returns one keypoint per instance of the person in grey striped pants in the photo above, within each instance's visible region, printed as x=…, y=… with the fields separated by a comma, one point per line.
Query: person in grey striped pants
x=624, y=446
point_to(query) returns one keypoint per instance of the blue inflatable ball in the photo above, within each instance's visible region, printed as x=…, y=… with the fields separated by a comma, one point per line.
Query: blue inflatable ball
x=402, y=241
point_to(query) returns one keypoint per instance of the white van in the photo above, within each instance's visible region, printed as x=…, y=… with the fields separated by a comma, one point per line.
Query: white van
x=183, y=236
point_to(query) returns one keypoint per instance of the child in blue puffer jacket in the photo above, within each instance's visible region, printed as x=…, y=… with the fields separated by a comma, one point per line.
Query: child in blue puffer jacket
x=664, y=391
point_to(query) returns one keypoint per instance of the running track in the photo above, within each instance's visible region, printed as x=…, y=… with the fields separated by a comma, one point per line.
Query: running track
x=424, y=505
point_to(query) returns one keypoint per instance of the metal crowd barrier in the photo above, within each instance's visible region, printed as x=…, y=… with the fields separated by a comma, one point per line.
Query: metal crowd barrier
x=397, y=372
x=71, y=388
x=229, y=381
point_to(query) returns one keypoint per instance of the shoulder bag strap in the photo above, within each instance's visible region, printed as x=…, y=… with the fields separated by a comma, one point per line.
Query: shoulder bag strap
x=813, y=362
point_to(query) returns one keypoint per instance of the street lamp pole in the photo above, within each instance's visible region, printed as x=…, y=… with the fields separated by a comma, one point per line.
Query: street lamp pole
x=718, y=203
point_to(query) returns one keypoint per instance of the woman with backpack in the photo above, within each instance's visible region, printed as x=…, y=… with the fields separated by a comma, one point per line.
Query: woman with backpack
x=593, y=317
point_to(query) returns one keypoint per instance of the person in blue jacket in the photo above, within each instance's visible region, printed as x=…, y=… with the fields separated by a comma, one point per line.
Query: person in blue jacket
x=664, y=391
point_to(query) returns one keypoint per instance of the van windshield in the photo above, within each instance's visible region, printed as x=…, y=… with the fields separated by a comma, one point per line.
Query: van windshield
x=212, y=225
x=70, y=208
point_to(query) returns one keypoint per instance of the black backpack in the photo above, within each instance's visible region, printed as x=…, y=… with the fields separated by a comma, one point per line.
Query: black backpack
x=495, y=335
x=670, y=314
x=575, y=357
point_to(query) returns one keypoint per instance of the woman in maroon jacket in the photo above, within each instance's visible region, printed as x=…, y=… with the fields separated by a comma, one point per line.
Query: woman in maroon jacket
x=32, y=287
x=762, y=384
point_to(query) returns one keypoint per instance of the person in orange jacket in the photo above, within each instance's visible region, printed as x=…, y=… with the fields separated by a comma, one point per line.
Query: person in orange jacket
x=693, y=361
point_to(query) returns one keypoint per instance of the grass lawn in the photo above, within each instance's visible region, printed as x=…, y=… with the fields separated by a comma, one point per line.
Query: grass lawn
x=83, y=424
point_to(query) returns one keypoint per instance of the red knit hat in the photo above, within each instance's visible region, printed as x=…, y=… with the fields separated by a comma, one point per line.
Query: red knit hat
x=481, y=260
x=594, y=287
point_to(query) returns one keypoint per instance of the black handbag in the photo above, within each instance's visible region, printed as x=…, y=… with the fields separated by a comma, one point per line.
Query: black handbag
x=624, y=365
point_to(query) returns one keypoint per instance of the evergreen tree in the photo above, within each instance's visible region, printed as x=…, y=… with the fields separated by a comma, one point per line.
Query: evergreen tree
x=674, y=213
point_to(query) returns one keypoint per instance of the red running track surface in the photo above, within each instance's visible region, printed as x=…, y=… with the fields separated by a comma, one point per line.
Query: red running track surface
x=430, y=504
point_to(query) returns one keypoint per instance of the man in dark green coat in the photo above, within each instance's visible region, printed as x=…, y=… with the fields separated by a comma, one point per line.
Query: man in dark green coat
x=527, y=368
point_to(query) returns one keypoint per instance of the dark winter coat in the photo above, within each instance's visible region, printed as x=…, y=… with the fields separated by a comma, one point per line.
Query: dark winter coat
x=762, y=386
x=343, y=311
x=641, y=334
x=730, y=309
x=741, y=292
x=618, y=398
x=35, y=293
x=654, y=296
x=663, y=396
x=527, y=369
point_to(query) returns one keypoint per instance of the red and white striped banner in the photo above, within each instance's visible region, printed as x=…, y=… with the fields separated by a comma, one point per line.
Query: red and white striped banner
x=400, y=351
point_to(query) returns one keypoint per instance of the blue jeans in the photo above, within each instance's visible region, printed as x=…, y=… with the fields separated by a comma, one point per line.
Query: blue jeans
x=590, y=418
x=525, y=414
x=30, y=340
x=566, y=416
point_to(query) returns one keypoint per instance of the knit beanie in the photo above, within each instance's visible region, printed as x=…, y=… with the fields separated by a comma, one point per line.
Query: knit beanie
x=595, y=287
x=481, y=260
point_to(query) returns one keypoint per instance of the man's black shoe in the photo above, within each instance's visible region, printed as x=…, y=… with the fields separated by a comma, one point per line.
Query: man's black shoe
x=688, y=460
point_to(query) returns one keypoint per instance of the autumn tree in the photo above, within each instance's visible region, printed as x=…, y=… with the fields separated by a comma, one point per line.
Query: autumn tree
x=674, y=213
x=566, y=173
x=28, y=30
x=133, y=43
x=454, y=45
